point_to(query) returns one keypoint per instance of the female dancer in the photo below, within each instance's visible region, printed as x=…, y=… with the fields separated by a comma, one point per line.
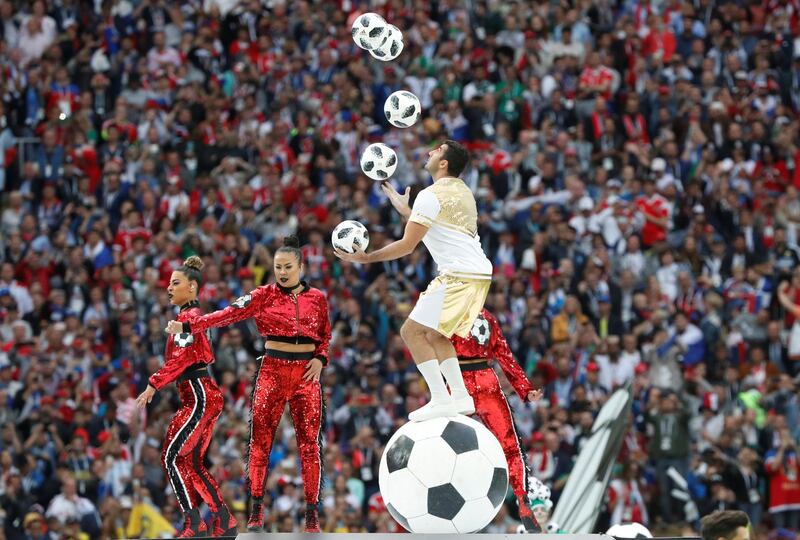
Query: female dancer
x=294, y=320
x=475, y=353
x=186, y=360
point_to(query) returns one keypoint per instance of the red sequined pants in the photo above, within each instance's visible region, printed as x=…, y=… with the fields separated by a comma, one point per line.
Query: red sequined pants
x=280, y=382
x=187, y=439
x=493, y=410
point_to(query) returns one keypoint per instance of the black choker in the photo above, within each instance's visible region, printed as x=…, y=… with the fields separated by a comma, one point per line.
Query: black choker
x=288, y=290
x=190, y=304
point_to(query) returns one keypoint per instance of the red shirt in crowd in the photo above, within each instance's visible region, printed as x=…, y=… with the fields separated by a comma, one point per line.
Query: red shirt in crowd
x=598, y=76
x=656, y=207
x=663, y=42
x=784, y=481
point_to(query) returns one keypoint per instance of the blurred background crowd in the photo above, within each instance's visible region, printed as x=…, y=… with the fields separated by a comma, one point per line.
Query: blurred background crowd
x=636, y=169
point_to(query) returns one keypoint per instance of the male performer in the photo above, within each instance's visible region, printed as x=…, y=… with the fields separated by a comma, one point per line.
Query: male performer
x=445, y=219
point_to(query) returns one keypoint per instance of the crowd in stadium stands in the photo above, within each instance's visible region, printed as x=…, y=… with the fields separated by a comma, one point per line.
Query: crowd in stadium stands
x=636, y=167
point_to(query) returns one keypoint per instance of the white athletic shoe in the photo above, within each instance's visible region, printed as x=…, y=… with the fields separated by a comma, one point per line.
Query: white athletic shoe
x=464, y=405
x=433, y=410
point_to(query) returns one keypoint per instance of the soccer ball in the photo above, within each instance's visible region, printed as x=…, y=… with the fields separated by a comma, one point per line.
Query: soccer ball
x=369, y=30
x=537, y=490
x=402, y=109
x=349, y=234
x=183, y=340
x=444, y=475
x=481, y=330
x=629, y=530
x=378, y=161
x=391, y=47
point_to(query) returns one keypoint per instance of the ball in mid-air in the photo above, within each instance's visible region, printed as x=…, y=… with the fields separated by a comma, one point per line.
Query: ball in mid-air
x=369, y=30
x=378, y=161
x=402, y=109
x=348, y=235
x=391, y=47
x=444, y=475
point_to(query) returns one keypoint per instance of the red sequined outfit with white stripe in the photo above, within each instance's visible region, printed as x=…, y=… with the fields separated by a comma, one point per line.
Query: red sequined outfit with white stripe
x=475, y=355
x=187, y=357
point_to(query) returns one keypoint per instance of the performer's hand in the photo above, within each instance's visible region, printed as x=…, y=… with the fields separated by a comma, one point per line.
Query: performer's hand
x=174, y=327
x=400, y=202
x=145, y=397
x=535, y=395
x=359, y=256
x=313, y=370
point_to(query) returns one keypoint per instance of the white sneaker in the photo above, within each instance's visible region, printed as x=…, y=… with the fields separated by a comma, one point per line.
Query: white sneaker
x=464, y=405
x=433, y=410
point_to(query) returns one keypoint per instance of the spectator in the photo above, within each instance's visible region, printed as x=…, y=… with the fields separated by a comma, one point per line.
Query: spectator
x=626, y=499
x=669, y=445
x=68, y=504
x=782, y=468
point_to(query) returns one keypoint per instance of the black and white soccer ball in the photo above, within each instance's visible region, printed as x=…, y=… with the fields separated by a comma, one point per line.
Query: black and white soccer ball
x=349, y=234
x=369, y=31
x=391, y=47
x=378, y=161
x=183, y=340
x=481, y=330
x=629, y=530
x=538, y=490
x=445, y=475
x=402, y=109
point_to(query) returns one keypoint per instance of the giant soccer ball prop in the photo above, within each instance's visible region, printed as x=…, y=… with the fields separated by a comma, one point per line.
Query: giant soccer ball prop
x=378, y=161
x=369, y=31
x=349, y=234
x=445, y=475
x=402, y=109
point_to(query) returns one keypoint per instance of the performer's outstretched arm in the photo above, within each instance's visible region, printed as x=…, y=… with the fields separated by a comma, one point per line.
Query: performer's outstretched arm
x=242, y=308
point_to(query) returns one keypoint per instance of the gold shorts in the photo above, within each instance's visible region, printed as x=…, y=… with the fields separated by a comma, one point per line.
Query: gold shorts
x=451, y=304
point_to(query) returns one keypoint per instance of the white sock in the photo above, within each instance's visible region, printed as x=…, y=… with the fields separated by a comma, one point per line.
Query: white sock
x=452, y=372
x=433, y=377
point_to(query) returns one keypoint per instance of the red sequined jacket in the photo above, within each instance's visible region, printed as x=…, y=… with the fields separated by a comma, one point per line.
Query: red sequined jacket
x=185, y=352
x=486, y=340
x=279, y=315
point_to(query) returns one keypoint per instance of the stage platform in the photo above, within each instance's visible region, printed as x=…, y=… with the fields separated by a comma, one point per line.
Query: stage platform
x=408, y=536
